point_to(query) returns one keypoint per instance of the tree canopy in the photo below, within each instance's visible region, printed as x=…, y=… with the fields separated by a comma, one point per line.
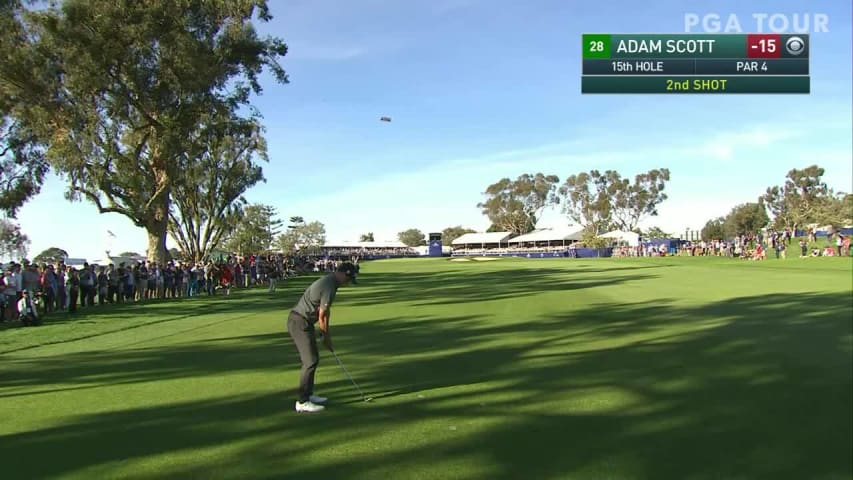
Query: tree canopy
x=746, y=218
x=209, y=201
x=801, y=200
x=254, y=231
x=23, y=165
x=714, y=229
x=51, y=255
x=412, y=237
x=121, y=90
x=302, y=236
x=603, y=201
x=514, y=205
x=449, y=234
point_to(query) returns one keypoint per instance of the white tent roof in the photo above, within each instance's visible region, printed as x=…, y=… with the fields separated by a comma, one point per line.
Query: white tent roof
x=632, y=238
x=475, y=238
x=554, y=234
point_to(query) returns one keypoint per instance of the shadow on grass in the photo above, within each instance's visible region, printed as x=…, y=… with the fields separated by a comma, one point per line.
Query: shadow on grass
x=753, y=387
x=63, y=327
x=461, y=286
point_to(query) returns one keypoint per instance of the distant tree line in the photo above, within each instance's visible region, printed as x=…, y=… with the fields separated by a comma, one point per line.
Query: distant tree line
x=597, y=201
x=803, y=199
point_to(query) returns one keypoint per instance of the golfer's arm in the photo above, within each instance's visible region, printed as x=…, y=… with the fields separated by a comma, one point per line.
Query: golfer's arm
x=323, y=322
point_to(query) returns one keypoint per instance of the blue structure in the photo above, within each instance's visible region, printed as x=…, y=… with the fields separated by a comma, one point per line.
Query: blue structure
x=435, y=249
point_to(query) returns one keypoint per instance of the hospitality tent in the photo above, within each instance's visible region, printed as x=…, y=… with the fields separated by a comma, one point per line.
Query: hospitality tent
x=632, y=239
x=482, y=240
x=549, y=236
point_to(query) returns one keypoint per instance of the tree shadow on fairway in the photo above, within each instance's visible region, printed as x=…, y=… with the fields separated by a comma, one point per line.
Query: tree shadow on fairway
x=61, y=328
x=94, y=369
x=447, y=288
x=753, y=387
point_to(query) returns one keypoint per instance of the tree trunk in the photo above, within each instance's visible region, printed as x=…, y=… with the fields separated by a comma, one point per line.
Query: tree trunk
x=157, y=224
x=157, y=229
x=157, y=242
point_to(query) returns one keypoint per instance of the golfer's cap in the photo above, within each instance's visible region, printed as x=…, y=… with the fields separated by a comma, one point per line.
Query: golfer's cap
x=349, y=270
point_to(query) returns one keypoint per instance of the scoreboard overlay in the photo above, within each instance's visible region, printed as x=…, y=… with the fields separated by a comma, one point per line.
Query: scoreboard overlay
x=695, y=63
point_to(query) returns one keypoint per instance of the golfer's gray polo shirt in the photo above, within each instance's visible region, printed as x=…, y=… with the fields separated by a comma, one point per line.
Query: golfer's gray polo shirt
x=321, y=293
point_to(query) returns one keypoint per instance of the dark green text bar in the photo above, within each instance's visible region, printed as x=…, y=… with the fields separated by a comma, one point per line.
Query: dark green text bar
x=690, y=84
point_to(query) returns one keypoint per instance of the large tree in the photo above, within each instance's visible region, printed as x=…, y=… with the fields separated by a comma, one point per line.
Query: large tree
x=366, y=237
x=412, y=237
x=209, y=201
x=514, y=205
x=122, y=89
x=634, y=202
x=254, y=231
x=449, y=234
x=603, y=201
x=586, y=200
x=13, y=242
x=302, y=236
x=799, y=201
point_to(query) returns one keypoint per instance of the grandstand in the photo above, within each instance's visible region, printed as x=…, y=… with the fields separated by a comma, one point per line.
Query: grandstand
x=480, y=243
x=366, y=250
x=555, y=239
x=551, y=242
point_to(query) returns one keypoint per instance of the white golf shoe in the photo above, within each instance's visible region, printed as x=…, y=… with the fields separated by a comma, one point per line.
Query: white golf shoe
x=317, y=399
x=309, y=407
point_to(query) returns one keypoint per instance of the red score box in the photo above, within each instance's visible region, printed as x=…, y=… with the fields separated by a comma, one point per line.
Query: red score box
x=764, y=45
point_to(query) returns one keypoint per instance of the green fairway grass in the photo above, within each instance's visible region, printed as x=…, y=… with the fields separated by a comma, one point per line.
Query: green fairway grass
x=650, y=368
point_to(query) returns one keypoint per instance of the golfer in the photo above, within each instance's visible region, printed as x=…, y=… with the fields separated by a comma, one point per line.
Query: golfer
x=314, y=307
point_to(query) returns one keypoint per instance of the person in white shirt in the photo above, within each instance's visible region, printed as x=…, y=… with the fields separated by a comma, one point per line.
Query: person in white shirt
x=10, y=293
x=27, y=309
x=17, y=280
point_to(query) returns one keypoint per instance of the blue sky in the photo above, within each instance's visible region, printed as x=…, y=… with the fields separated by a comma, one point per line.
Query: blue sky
x=482, y=89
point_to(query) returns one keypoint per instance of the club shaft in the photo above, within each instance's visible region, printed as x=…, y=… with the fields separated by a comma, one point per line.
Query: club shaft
x=347, y=374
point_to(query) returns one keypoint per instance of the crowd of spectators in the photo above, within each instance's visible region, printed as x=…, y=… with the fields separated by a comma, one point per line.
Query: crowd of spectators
x=340, y=252
x=30, y=291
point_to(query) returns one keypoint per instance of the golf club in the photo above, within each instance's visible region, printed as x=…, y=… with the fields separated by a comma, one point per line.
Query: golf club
x=366, y=399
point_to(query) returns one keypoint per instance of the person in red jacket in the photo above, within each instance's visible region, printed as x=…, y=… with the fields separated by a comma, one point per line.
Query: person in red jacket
x=226, y=277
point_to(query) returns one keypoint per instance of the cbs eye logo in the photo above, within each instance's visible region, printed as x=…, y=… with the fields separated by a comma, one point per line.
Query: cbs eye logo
x=795, y=46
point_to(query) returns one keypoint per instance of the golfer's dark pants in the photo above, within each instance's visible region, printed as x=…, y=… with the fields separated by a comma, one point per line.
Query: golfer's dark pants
x=302, y=333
